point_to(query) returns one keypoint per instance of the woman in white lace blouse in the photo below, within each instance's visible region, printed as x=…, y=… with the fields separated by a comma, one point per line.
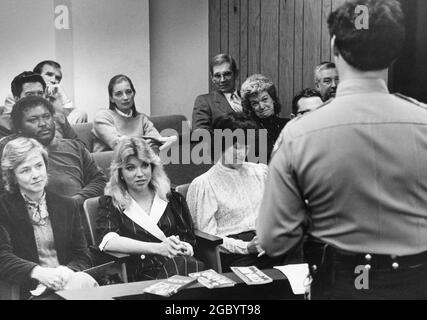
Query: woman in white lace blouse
x=225, y=200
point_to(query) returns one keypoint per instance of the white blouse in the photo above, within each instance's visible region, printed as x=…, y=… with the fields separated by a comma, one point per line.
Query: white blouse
x=225, y=201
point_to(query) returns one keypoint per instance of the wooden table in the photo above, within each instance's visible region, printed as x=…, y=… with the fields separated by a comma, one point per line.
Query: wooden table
x=279, y=289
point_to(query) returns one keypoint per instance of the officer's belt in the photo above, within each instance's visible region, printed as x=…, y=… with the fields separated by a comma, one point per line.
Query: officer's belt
x=319, y=253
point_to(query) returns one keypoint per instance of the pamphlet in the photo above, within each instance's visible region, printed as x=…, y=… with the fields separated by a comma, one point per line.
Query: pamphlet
x=212, y=279
x=251, y=275
x=169, y=286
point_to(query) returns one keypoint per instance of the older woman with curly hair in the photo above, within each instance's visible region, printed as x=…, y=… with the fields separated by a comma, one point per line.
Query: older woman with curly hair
x=260, y=102
x=141, y=216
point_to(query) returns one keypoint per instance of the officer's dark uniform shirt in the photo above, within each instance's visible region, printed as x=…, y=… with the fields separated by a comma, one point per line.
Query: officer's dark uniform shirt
x=359, y=166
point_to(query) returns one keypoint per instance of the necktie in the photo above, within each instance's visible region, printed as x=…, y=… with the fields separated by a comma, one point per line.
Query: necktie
x=236, y=103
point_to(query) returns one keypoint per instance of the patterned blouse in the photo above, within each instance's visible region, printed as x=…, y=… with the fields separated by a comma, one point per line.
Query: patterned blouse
x=43, y=232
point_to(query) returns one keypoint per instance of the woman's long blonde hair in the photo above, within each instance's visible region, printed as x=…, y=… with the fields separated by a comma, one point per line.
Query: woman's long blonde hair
x=139, y=148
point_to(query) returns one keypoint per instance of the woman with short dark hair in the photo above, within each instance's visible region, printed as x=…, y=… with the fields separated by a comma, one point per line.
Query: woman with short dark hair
x=225, y=200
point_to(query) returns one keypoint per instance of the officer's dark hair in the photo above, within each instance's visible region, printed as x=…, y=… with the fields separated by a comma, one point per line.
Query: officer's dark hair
x=28, y=103
x=23, y=78
x=304, y=93
x=374, y=48
x=223, y=58
x=39, y=67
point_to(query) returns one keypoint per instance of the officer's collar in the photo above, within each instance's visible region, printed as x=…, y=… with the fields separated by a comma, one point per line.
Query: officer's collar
x=356, y=86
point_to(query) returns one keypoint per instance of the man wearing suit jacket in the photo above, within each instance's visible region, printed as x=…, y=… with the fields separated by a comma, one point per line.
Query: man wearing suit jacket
x=224, y=99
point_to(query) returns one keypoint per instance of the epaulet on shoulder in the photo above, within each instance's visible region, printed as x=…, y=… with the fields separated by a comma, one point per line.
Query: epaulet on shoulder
x=411, y=100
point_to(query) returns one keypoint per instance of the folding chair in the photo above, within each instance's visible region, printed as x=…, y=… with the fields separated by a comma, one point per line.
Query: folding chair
x=90, y=207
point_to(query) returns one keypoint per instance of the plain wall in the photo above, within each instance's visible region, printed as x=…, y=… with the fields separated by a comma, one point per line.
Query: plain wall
x=27, y=37
x=110, y=37
x=179, y=54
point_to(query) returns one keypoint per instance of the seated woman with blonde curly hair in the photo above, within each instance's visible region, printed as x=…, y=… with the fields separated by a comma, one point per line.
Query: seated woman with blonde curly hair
x=141, y=216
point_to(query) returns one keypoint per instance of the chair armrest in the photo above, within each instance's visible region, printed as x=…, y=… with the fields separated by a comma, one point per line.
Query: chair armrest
x=106, y=256
x=208, y=239
x=207, y=250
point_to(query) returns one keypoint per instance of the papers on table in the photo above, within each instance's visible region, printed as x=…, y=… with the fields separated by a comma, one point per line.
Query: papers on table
x=298, y=276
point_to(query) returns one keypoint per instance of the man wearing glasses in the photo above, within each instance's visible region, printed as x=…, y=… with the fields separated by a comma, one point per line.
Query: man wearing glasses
x=224, y=99
x=305, y=101
x=28, y=84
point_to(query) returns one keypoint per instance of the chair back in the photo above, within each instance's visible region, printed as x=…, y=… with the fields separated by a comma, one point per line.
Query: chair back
x=185, y=173
x=174, y=121
x=90, y=208
x=84, y=133
x=103, y=161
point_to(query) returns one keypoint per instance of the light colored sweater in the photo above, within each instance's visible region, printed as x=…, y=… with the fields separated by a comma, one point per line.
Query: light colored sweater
x=226, y=201
x=109, y=126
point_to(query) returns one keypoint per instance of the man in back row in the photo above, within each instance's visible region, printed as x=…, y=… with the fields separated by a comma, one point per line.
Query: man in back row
x=352, y=175
x=52, y=76
x=28, y=84
x=208, y=108
x=326, y=80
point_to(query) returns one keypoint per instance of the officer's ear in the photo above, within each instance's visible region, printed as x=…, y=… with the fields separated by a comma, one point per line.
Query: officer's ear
x=334, y=49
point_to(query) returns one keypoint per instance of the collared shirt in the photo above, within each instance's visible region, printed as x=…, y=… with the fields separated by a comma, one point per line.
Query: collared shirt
x=354, y=171
x=43, y=232
x=234, y=100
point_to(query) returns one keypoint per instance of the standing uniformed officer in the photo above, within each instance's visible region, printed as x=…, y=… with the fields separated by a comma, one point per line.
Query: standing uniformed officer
x=351, y=177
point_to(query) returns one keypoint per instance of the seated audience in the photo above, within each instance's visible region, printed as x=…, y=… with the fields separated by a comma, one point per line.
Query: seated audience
x=122, y=119
x=28, y=84
x=224, y=99
x=42, y=243
x=52, y=75
x=260, y=102
x=225, y=200
x=140, y=215
x=326, y=80
x=305, y=101
x=71, y=167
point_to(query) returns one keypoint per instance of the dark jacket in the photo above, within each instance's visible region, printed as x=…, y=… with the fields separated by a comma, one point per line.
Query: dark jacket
x=274, y=126
x=18, y=249
x=208, y=108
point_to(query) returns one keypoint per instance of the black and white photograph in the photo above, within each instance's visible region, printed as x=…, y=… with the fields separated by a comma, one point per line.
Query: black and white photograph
x=143, y=141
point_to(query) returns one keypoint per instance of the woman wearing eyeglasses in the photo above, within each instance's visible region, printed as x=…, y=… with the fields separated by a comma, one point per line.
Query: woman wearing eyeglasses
x=260, y=102
x=42, y=244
